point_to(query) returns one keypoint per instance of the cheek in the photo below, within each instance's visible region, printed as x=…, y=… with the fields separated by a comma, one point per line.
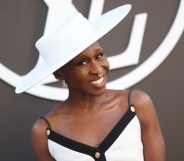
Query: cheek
x=75, y=77
x=106, y=64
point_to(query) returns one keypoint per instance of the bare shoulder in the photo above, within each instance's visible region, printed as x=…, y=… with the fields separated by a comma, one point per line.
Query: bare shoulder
x=151, y=134
x=143, y=105
x=139, y=98
x=40, y=140
x=39, y=133
x=39, y=127
x=41, y=124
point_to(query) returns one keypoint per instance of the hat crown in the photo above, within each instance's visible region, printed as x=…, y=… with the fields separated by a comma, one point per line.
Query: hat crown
x=59, y=12
x=56, y=45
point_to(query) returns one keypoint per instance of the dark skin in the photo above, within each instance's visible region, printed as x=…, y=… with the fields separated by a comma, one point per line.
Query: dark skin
x=90, y=107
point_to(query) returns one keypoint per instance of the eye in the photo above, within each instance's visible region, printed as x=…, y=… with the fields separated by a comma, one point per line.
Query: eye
x=99, y=55
x=82, y=62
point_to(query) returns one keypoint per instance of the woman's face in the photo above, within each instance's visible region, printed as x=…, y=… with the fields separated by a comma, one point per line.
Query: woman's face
x=82, y=73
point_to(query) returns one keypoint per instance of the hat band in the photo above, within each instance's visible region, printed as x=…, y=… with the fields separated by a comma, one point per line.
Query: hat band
x=58, y=46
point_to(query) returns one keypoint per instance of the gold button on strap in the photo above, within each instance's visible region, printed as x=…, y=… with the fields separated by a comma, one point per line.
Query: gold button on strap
x=48, y=132
x=97, y=155
x=132, y=108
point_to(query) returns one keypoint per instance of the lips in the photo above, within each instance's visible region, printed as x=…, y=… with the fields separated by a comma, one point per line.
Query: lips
x=98, y=82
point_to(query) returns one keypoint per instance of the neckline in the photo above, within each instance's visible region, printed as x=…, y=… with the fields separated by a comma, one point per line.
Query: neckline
x=103, y=146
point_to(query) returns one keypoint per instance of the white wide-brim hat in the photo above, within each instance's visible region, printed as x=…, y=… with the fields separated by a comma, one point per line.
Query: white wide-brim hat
x=61, y=46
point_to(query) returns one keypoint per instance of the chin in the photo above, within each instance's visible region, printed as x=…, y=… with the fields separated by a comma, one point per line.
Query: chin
x=98, y=92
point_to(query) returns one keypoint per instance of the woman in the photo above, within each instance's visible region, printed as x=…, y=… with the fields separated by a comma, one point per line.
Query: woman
x=93, y=123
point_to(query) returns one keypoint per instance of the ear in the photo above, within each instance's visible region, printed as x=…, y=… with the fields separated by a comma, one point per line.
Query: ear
x=58, y=75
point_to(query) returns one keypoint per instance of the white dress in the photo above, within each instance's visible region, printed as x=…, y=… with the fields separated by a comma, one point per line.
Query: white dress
x=123, y=143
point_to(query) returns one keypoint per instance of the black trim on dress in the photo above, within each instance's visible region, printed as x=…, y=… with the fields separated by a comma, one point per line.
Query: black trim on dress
x=98, y=153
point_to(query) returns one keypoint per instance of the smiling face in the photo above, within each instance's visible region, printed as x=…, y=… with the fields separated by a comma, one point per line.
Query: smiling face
x=87, y=72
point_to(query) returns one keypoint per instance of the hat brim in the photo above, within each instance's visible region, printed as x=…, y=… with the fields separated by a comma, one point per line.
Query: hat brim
x=101, y=26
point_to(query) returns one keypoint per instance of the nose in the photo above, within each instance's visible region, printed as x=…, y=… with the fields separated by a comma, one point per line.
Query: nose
x=96, y=68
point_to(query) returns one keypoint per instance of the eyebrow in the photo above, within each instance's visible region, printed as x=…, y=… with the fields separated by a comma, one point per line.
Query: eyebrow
x=78, y=57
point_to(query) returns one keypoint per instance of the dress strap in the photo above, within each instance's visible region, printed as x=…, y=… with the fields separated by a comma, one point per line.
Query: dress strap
x=129, y=95
x=46, y=121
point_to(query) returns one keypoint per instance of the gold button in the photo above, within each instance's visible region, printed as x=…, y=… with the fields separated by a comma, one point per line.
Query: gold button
x=132, y=108
x=97, y=155
x=48, y=132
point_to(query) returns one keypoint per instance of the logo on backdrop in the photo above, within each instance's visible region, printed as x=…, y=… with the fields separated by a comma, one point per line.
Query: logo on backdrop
x=128, y=58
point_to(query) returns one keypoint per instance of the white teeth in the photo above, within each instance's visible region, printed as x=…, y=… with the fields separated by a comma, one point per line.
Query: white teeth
x=98, y=81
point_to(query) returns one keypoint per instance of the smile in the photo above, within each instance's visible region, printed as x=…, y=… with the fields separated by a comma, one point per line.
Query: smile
x=99, y=81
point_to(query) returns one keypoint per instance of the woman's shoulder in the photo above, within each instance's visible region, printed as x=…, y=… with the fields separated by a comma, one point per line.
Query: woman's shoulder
x=136, y=96
x=40, y=126
x=141, y=100
x=46, y=121
x=144, y=106
x=39, y=139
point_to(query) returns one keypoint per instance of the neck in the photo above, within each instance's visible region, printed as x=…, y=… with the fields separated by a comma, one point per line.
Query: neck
x=85, y=102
